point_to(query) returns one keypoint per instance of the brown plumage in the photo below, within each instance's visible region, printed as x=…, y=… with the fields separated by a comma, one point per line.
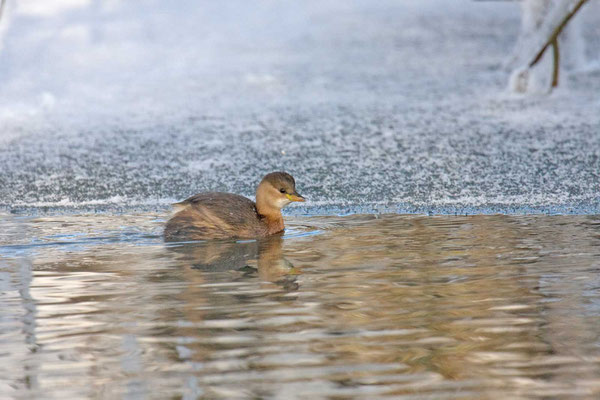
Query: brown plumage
x=218, y=215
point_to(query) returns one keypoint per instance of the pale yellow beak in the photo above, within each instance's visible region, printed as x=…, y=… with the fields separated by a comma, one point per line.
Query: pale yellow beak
x=295, y=197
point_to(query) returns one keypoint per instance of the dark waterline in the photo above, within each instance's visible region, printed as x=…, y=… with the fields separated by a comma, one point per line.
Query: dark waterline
x=581, y=208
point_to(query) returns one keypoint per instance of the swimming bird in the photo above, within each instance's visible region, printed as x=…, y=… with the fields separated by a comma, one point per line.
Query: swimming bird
x=216, y=215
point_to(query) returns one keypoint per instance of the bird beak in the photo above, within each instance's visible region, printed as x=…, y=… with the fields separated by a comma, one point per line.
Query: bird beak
x=295, y=197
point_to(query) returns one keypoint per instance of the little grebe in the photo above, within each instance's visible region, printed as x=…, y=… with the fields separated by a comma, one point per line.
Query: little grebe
x=226, y=215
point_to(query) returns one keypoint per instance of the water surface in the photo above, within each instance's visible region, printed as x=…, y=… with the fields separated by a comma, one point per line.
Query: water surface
x=97, y=306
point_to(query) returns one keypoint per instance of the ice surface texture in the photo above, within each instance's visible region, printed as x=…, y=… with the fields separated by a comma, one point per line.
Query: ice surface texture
x=383, y=106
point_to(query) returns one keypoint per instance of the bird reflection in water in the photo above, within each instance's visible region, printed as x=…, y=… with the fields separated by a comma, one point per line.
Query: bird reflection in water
x=262, y=258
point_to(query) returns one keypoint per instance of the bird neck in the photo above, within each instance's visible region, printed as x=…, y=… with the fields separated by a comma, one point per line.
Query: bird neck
x=272, y=218
x=274, y=225
x=271, y=215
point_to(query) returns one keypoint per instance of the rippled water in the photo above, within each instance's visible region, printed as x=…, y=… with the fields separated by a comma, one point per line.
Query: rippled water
x=97, y=306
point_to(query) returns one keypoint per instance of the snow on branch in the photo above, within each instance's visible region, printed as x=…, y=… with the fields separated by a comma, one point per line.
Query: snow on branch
x=2, y=3
x=543, y=23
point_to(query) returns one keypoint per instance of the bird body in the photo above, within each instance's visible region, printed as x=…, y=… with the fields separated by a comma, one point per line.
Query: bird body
x=216, y=215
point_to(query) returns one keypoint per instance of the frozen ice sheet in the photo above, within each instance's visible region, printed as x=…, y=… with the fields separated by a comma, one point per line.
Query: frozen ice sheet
x=373, y=106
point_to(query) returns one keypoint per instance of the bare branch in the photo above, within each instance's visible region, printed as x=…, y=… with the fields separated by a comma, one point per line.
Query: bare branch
x=553, y=37
x=556, y=62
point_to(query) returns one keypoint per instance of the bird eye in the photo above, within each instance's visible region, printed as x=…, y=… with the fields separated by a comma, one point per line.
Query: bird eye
x=282, y=190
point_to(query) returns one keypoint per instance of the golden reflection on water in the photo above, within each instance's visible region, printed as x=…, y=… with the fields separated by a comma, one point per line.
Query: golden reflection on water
x=445, y=307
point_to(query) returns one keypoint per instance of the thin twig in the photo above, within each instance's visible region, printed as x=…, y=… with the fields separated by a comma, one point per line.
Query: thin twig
x=557, y=32
x=556, y=62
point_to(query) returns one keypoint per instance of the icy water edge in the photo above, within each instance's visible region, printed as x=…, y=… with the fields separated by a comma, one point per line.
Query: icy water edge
x=97, y=306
